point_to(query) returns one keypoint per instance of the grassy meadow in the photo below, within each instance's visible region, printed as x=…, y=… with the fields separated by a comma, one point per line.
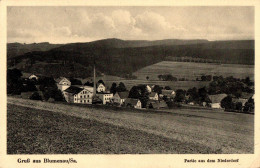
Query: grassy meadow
x=191, y=70
x=188, y=70
x=33, y=129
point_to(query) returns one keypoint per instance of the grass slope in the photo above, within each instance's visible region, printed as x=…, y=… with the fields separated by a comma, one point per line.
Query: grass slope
x=218, y=132
x=192, y=70
x=32, y=131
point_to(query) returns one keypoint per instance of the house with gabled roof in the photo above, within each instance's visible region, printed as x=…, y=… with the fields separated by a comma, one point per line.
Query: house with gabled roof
x=106, y=97
x=75, y=94
x=101, y=87
x=62, y=83
x=156, y=104
x=30, y=76
x=120, y=97
x=153, y=96
x=149, y=88
x=168, y=93
x=216, y=100
x=135, y=103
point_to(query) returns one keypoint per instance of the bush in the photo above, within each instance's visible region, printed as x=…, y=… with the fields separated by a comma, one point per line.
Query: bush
x=35, y=96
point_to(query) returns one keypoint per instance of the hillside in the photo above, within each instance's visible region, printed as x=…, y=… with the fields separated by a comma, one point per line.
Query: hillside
x=16, y=49
x=119, y=57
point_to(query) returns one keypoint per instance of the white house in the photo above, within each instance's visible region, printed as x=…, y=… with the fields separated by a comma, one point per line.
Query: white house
x=75, y=94
x=216, y=100
x=106, y=97
x=101, y=87
x=120, y=97
x=136, y=103
x=63, y=83
x=153, y=96
x=149, y=88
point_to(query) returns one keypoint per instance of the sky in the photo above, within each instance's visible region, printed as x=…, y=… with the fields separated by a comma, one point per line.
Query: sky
x=84, y=24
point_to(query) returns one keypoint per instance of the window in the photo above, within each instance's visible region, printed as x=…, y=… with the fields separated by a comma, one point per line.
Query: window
x=88, y=95
x=84, y=101
x=84, y=96
x=80, y=96
x=88, y=100
x=80, y=101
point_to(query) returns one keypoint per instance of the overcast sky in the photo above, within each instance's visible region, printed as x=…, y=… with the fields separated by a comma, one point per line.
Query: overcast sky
x=83, y=24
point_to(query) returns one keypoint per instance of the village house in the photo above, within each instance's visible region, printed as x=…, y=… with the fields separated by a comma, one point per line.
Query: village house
x=75, y=94
x=101, y=87
x=156, y=104
x=120, y=97
x=149, y=88
x=246, y=96
x=91, y=89
x=30, y=76
x=153, y=96
x=106, y=97
x=216, y=100
x=168, y=93
x=63, y=83
x=239, y=100
x=135, y=103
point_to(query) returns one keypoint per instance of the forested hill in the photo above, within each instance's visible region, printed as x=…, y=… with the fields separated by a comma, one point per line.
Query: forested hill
x=119, y=57
x=16, y=49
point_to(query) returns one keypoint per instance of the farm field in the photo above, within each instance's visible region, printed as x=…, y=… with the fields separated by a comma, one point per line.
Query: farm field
x=129, y=83
x=33, y=129
x=188, y=70
x=191, y=70
x=173, y=84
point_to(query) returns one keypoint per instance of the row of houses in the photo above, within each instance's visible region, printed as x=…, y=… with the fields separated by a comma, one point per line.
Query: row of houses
x=86, y=94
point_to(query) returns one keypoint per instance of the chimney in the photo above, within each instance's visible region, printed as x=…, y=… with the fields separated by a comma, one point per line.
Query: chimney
x=94, y=82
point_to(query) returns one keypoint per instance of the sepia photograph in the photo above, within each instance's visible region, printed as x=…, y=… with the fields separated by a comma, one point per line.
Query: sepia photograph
x=130, y=80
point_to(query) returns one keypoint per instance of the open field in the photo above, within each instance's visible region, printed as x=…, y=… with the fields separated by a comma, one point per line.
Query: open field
x=188, y=70
x=192, y=70
x=173, y=84
x=111, y=130
x=41, y=131
x=129, y=83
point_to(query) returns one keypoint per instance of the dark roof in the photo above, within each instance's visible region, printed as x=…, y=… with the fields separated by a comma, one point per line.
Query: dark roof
x=217, y=98
x=59, y=79
x=243, y=101
x=123, y=95
x=131, y=101
x=152, y=94
x=74, y=90
x=106, y=92
x=100, y=84
x=245, y=95
x=158, y=104
x=27, y=75
x=167, y=92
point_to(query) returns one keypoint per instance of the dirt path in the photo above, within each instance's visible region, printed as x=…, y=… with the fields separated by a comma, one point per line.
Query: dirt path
x=227, y=136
